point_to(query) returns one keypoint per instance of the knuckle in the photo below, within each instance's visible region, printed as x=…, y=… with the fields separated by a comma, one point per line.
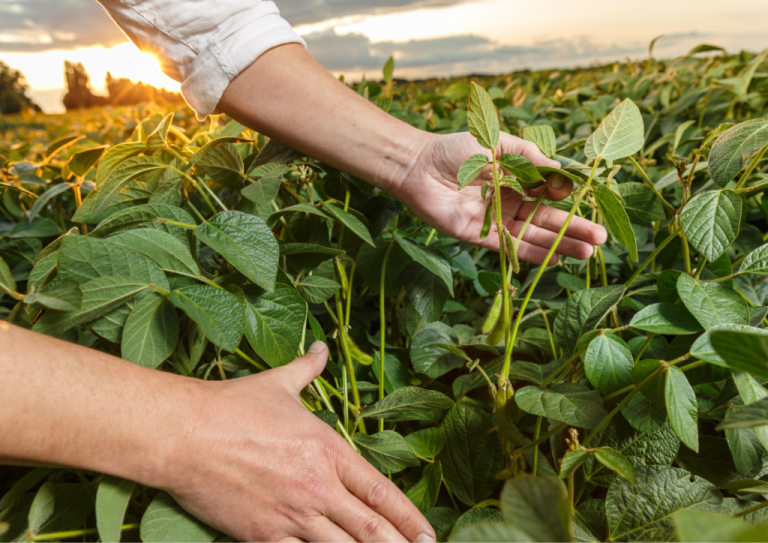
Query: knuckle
x=371, y=529
x=377, y=493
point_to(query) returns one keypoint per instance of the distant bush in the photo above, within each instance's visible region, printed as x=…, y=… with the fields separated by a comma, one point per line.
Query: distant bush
x=13, y=88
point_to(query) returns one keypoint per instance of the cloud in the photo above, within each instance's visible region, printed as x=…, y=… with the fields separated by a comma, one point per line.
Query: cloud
x=458, y=54
x=40, y=25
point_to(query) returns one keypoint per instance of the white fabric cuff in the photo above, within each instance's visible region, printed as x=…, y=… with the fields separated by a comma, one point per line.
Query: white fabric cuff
x=245, y=39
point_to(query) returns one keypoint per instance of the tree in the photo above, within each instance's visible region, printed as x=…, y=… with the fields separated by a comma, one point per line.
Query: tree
x=13, y=88
x=79, y=93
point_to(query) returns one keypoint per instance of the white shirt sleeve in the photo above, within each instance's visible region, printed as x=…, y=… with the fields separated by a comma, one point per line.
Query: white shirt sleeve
x=203, y=44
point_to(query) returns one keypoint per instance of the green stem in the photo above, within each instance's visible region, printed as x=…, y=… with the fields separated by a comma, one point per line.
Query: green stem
x=751, y=510
x=197, y=184
x=320, y=389
x=502, y=256
x=54, y=536
x=752, y=166
x=644, y=346
x=674, y=362
x=603, y=273
x=653, y=255
x=504, y=377
x=383, y=319
x=647, y=181
x=536, y=448
x=686, y=253
x=250, y=360
x=536, y=442
x=175, y=223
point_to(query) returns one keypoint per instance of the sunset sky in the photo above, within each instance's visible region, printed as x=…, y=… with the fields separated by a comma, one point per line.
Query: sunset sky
x=426, y=37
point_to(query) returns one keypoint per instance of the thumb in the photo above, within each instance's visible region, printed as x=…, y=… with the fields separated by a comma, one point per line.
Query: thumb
x=302, y=371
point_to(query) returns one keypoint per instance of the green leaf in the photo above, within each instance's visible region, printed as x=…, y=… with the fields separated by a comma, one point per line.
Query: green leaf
x=151, y=332
x=308, y=254
x=433, y=262
x=145, y=215
x=746, y=449
x=428, y=356
x=544, y=138
x=427, y=442
x=644, y=415
x=566, y=402
x=707, y=526
x=666, y=319
x=756, y=262
x=477, y=517
x=205, y=149
x=490, y=530
x=388, y=70
x=42, y=507
x=642, y=512
x=351, y=222
x=703, y=349
x=44, y=198
x=608, y=363
x=219, y=313
x=749, y=416
x=263, y=190
x=682, y=408
x=539, y=507
x=571, y=462
x=471, y=168
x=620, y=135
x=162, y=248
x=159, y=135
x=100, y=297
x=735, y=147
x=712, y=303
x=616, y=218
x=246, y=242
x=482, y=119
x=582, y=312
x=80, y=163
x=387, y=451
x=112, y=499
x=123, y=174
x=640, y=203
x=317, y=289
x=426, y=291
x=744, y=351
x=7, y=283
x=472, y=455
x=274, y=322
x=328, y=417
x=616, y=461
x=751, y=391
x=711, y=221
x=523, y=169
x=659, y=447
x=60, y=295
x=407, y=399
x=424, y=493
x=115, y=156
x=60, y=144
x=222, y=164
x=165, y=521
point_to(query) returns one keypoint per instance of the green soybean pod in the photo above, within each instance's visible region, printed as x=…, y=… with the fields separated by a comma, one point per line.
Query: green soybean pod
x=493, y=314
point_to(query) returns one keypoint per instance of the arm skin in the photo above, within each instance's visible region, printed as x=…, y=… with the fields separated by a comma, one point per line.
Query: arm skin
x=244, y=455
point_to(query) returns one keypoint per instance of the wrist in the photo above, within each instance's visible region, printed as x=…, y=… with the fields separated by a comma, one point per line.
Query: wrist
x=398, y=155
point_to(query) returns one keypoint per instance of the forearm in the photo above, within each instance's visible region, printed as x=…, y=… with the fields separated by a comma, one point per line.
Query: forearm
x=68, y=405
x=288, y=96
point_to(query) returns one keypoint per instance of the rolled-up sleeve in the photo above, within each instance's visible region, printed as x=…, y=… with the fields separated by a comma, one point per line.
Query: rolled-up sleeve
x=203, y=44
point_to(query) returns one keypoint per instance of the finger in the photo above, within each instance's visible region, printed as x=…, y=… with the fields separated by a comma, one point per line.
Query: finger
x=544, y=238
x=553, y=219
x=290, y=539
x=305, y=369
x=361, y=521
x=381, y=495
x=528, y=149
x=535, y=254
x=319, y=528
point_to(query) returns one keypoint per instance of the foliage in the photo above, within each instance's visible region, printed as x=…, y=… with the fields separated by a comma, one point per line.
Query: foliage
x=620, y=398
x=13, y=91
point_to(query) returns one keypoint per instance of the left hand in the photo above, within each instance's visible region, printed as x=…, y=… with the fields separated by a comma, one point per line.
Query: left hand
x=430, y=190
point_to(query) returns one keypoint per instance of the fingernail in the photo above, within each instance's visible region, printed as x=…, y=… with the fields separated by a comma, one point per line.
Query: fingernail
x=317, y=347
x=425, y=538
x=558, y=181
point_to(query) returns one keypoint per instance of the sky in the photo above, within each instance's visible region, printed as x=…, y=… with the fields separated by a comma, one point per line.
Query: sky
x=426, y=37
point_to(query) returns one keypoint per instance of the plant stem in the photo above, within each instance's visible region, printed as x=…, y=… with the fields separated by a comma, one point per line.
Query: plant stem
x=751, y=510
x=752, y=166
x=504, y=377
x=653, y=255
x=502, y=257
x=247, y=358
x=536, y=448
x=328, y=406
x=541, y=439
x=53, y=536
x=674, y=362
x=197, y=184
x=383, y=319
x=686, y=253
x=649, y=183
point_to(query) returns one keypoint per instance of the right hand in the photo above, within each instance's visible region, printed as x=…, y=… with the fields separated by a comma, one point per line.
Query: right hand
x=260, y=467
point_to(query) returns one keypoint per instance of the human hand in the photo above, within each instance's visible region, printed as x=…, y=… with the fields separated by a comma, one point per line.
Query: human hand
x=430, y=190
x=261, y=467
